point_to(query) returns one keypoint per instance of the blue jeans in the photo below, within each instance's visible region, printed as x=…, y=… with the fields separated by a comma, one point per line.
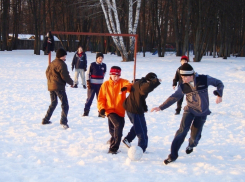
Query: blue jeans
x=95, y=88
x=54, y=101
x=138, y=129
x=188, y=120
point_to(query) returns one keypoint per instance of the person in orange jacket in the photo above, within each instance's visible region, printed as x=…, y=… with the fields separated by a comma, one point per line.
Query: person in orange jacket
x=110, y=103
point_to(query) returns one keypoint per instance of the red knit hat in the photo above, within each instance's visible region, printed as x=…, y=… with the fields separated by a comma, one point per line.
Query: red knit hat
x=115, y=70
x=185, y=58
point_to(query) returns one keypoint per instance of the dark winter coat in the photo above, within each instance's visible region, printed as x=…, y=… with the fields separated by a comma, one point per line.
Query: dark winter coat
x=177, y=78
x=135, y=102
x=48, y=43
x=58, y=75
x=197, y=96
x=79, y=62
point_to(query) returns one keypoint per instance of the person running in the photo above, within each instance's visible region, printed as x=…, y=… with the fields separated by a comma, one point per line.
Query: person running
x=95, y=77
x=195, y=87
x=110, y=103
x=135, y=106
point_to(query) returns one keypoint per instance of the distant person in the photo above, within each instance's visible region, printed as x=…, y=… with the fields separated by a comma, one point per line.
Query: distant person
x=79, y=62
x=135, y=106
x=48, y=43
x=177, y=78
x=195, y=112
x=110, y=103
x=95, y=77
x=57, y=75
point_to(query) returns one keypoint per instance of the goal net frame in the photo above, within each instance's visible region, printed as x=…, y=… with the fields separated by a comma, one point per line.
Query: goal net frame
x=101, y=34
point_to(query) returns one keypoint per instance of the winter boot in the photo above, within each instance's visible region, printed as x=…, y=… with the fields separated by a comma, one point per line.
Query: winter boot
x=74, y=86
x=86, y=112
x=44, y=121
x=168, y=160
x=125, y=141
x=84, y=86
x=189, y=150
x=113, y=151
x=177, y=112
x=65, y=126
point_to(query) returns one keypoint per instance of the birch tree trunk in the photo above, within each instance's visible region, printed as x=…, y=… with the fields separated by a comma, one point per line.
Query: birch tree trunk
x=109, y=8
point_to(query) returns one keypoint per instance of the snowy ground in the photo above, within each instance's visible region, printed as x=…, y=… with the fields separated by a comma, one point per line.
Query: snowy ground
x=32, y=152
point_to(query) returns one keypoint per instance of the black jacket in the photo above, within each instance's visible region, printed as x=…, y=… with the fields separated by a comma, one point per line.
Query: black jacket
x=48, y=42
x=79, y=62
x=135, y=102
x=177, y=78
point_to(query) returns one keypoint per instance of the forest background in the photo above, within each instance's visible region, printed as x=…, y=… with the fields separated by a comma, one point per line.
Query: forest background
x=206, y=27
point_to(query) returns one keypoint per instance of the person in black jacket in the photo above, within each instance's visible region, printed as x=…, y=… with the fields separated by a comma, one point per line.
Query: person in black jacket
x=48, y=43
x=135, y=106
x=177, y=78
x=79, y=62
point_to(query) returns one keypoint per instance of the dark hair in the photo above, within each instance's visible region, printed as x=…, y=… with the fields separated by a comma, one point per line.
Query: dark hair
x=99, y=54
x=116, y=67
x=79, y=46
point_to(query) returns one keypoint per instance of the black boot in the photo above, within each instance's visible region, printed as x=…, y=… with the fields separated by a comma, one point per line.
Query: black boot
x=84, y=86
x=44, y=121
x=189, y=150
x=74, y=86
x=177, y=112
x=86, y=112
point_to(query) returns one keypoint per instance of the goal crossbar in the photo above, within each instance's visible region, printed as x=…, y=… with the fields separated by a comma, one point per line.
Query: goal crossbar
x=102, y=34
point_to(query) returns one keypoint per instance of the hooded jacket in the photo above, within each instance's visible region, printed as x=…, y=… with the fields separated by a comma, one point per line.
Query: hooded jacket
x=111, y=98
x=197, y=96
x=58, y=75
x=135, y=102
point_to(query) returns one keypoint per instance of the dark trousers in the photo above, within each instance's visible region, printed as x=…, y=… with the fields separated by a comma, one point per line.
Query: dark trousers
x=188, y=120
x=138, y=129
x=54, y=101
x=116, y=124
x=95, y=88
x=179, y=103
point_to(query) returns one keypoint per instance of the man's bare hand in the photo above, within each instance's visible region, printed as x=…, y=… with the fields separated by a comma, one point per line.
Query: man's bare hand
x=218, y=100
x=155, y=109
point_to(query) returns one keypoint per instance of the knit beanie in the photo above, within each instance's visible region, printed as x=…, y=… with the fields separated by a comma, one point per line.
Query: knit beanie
x=115, y=70
x=99, y=54
x=185, y=58
x=186, y=70
x=150, y=76
x=60, y=53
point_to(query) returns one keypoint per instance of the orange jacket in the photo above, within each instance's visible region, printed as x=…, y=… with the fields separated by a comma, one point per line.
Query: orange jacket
x=111, y=98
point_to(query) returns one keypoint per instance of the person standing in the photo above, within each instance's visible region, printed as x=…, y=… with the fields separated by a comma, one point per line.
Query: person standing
x=195, y=87
x=95, y=77
x=135, y=106
x=110, y=103
x=79, y=62
x=177, y=78
x=57, y=75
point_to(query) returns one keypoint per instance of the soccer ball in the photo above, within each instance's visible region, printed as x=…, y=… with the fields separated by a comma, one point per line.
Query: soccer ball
x=135, y=153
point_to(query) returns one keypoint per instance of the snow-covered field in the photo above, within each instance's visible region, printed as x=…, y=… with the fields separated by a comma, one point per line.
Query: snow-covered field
x=30, y=151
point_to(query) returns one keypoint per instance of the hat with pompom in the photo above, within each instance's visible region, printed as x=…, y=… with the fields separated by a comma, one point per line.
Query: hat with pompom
x=186, y=70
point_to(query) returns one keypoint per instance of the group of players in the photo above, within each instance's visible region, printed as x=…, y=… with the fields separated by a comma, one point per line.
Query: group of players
x=112, y=101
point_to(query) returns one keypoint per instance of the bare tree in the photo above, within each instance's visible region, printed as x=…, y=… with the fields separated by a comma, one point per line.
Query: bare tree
x=113, y=24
